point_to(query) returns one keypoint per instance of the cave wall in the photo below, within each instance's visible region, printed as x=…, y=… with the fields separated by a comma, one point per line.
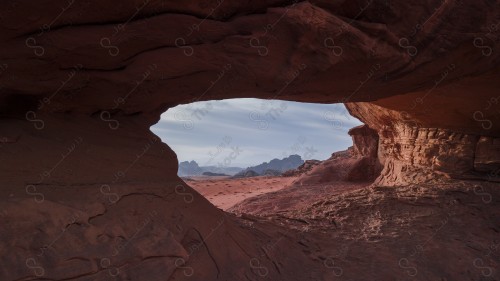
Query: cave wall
x=81, y=82
x=414, y=153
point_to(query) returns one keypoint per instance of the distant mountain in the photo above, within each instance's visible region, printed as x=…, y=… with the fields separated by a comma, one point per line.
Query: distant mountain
x=191, y=168
x=213, y=174
x=272, y=173
x=288, y=163
x=246, y=174
x=275, y=167
x=224, y=170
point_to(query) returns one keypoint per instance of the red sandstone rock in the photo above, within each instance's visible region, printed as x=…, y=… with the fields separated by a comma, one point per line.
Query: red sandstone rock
x=412, y=153
x=304, y=168
x=88, y=192
x=358, y=163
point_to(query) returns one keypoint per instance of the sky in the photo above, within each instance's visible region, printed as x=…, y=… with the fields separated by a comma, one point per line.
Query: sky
x=247, y=132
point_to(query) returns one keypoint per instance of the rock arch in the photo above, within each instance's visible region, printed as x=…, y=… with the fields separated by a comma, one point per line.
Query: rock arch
x=81, y=83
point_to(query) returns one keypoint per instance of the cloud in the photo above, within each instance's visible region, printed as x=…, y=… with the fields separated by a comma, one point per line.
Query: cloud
x=259, y=130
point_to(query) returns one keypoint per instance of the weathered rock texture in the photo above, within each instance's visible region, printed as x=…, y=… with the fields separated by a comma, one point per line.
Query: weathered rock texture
x=413, y=153
x=304, y=168
x=359, y=163
x=82, y=82
x=424, y=232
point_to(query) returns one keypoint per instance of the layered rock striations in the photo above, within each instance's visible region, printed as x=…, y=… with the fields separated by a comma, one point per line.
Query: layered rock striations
x=415, y=153
x=89, y=193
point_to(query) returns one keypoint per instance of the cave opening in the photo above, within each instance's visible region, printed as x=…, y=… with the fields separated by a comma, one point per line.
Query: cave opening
x=235, y=151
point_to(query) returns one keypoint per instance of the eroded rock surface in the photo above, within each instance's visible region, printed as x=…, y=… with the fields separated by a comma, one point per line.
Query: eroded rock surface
x=419, y=232
x=413, y=153
x=359, y=163
x=81, y=82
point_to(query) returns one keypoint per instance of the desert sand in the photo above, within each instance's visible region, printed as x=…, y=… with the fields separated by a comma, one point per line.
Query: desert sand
x=225, y=192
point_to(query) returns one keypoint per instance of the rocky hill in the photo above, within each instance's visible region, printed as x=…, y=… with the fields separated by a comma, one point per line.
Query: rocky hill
x=191, y=168
x=274, y=167
x=210, y=174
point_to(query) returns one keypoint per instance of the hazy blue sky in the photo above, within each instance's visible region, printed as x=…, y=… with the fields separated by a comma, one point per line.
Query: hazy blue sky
x=246, y=132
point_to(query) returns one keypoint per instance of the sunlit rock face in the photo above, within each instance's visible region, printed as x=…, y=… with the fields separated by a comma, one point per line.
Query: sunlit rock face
x=81, y=82
x=414, y=153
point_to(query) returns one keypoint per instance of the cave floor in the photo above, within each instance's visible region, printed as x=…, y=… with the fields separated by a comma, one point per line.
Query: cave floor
x=443, y=231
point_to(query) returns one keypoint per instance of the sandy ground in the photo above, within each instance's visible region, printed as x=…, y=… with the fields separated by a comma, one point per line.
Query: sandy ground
x=225, y=192
x=294, y=198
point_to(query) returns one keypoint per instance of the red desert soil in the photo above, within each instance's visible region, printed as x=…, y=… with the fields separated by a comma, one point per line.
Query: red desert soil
x=294, y=197
x=225, y=192
x=395, y=233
